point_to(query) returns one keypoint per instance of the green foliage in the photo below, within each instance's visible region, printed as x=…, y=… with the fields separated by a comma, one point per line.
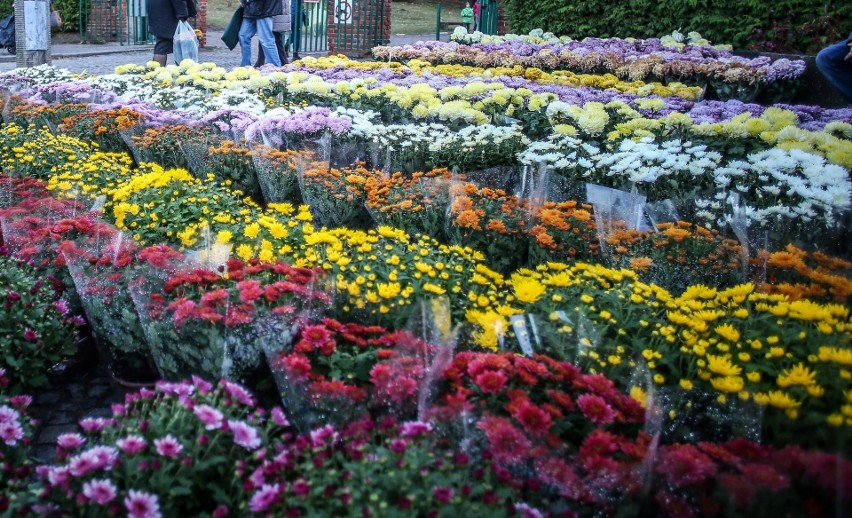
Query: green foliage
x=34, y=334
x=69, y=10
x=654, y=18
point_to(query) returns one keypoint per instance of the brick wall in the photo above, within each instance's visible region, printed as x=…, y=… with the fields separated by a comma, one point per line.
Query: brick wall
x=356, y=42
x=201, y=20
x=502, y=22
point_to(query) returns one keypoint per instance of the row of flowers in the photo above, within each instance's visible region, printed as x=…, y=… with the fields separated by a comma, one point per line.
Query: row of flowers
x=399, y=94
x=757, y=350
x=636, y=59
x=701, y=184
x=194, y=448
x=436, y=204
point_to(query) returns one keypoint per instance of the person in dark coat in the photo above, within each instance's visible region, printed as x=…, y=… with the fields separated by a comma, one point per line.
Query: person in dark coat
x=163, y=17
x=257, y=19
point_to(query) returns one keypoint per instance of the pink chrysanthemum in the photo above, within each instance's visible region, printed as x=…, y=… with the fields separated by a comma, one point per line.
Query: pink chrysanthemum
x=244, y=435
x=142, y=505
x=9, y=414
x=94, y=424
x=415, y=428
x=70, y=441
x=132, y=444
x=168, y=446
x=211, y=417
x=99, y=491
x=264, y=497
x=279, y=418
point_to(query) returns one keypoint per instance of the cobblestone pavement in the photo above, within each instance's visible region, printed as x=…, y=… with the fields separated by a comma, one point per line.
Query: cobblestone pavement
x=103, y=58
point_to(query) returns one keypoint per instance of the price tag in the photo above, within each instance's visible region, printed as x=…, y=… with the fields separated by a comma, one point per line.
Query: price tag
x=519, y=325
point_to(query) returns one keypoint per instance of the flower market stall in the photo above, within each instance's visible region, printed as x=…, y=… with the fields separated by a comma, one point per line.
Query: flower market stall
x=518, y=275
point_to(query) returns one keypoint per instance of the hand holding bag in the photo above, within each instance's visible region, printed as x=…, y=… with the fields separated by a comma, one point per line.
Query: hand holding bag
x=185, y=42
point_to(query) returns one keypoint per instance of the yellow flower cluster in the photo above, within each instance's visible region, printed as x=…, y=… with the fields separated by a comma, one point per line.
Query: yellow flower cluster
x=534, y=75
x=793, y=356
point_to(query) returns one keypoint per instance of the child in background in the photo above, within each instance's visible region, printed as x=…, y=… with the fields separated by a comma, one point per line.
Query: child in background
x=467, y=16
x=477, y=9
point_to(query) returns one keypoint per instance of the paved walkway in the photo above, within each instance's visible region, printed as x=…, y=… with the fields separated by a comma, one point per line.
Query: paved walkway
x=102, y=58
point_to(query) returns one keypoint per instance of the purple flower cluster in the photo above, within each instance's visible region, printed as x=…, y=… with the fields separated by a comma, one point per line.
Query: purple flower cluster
x=276, y=125
x=636, y=59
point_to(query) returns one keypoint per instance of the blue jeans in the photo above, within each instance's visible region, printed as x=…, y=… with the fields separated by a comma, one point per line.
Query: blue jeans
x=263, y=28
x=838, y=72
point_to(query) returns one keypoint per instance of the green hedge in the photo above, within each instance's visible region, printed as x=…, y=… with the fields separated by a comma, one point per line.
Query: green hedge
x=745, y=24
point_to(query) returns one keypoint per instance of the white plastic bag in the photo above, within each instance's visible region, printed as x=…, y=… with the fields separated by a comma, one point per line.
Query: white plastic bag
x=185, y=42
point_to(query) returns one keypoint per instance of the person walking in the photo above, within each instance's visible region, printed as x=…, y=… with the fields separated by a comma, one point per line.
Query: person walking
x=477, y=10
x=257, y=19
x=835, y=63
x=163, y=17
x=296, y=20
x=467, y=16
x=280, y=26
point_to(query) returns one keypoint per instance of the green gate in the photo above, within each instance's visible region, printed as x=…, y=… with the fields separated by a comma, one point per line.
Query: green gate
x=488, y=16
x=310, y=33
x=360, y=25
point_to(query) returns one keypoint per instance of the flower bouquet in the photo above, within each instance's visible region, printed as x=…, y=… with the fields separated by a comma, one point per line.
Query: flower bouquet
x=276, y=173
x=802, y=275
x=161, y=145
x=415, y=204
x=100, y=267
x=478, y=147
x=15, y=438
x=33, y=230
x=336, y=197
x=677, y=255
x=490, y=221
x=381, y=274
x=215, y=324
x=173, y=207
x=37, y=329
x=181, y=449
x=335, y=373
x=404, y=147
x=14, y=190
x=36, y=152
x=102, y=127
x=563, y=231
x=546, y=404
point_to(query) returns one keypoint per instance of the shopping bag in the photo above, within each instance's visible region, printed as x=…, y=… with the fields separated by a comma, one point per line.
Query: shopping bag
x=185, y=42
x=231, y=36
x=55, y=20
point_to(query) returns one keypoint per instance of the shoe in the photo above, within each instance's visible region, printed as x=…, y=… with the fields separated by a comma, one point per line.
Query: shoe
x=296, y=56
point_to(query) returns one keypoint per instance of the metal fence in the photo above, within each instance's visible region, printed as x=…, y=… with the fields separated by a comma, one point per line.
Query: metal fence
x=312, y=32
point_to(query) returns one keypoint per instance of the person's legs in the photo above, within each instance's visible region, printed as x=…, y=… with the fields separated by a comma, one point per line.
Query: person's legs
x=295, y=26
x=279, y=44
x=162, y=48
x=247, y=32
x=267, y=40
x=261, y=59
x=838, y=72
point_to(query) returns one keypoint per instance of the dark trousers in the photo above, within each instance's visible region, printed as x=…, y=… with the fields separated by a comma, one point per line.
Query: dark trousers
x=279, y=44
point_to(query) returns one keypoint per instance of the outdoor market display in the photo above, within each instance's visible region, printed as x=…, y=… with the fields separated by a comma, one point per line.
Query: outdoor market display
x=523, y=275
